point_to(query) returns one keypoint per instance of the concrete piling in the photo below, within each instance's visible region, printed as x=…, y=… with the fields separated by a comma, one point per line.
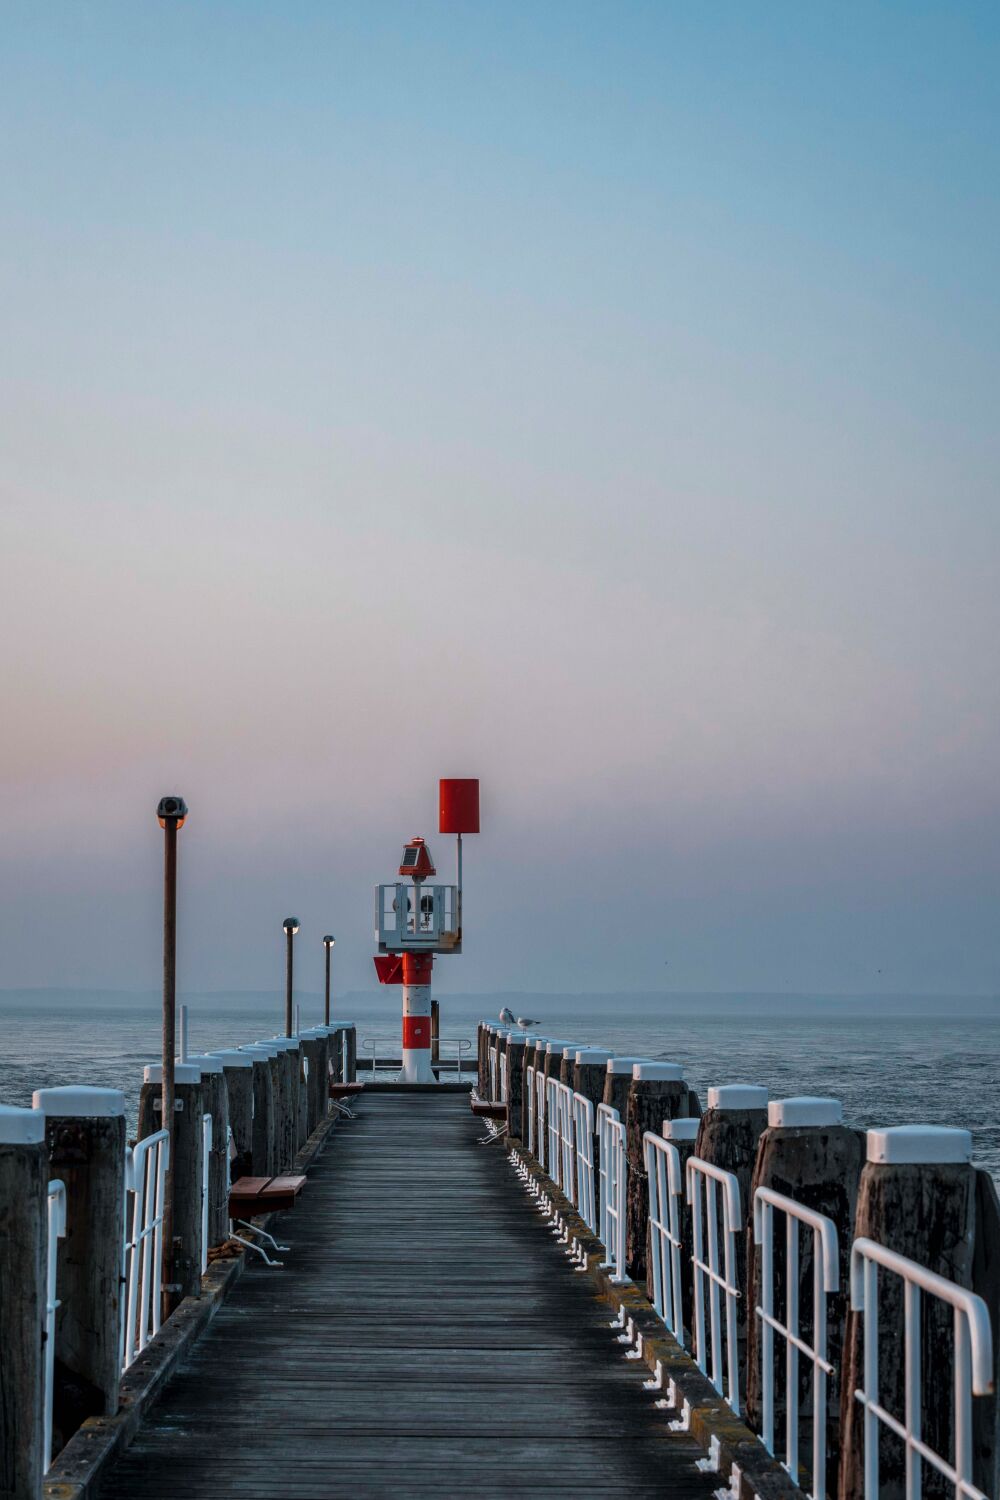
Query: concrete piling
x=917, y=1196
x=188, y=1148
x=808, y=1154
x=657, y=1093
x=85, y=1138
x=24, y=1179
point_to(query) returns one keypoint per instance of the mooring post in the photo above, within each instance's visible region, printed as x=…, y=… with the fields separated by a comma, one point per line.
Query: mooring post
x=351, y=1053
x=917, y=1196
x=567, y=1062
x=551, y=1063
x=590, y=1071
x=682, y=1134
x=238, y=1071
x=808, y=1154
x=85, y=1137
x=188, y=1156
x=435, y=1032
x=482, y=1052
x=516, y=1043
x=24, y=1180
x=215, y=1102
x=657, y=1093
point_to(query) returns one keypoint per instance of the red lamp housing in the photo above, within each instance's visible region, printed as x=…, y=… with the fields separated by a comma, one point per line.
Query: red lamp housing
x=417, y=860
x=458, y=805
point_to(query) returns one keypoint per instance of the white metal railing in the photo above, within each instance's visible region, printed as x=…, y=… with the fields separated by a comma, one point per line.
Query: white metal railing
x=554, y=1148
x=494, y=1073
x=399, y=924
x=145, y=1178
x=704, y=1179
x=586, y=1194
x=666, y=1197
x=388, y=1046
x=504, y=1077
x=613, y=1175
x=826, y=1279
x=540, y=1082
x=973, y=1367
x=56, y=1230
x=529, y=1082
x=567, y=1141
x=206, y=1151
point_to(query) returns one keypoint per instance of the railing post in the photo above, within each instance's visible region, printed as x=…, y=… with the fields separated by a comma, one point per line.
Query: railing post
x=85, y=1137
x=215, y=1102
x=187, y=1147
x=238, y=1071
x=809, y=1154
x=917, y=1196
x=657, y=1093
x=24, y=1177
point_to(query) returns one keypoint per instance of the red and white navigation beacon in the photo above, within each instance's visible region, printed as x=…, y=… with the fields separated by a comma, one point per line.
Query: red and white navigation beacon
x=413, y=922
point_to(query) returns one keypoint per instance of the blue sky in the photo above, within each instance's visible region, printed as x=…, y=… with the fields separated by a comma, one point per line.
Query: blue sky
x=597, y=398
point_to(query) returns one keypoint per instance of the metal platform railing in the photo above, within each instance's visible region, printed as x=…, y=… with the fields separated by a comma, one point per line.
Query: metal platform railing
x=454, y=1054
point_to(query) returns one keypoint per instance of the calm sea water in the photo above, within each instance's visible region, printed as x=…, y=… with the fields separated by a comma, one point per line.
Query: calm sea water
x=887, y=1070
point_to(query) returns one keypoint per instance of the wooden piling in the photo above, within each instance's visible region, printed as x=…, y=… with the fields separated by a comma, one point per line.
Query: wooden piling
x=534, y=1052
x=188, y=1148
x=24, y=1179
x=264, y=1128
x=215, y=1102
x=657, y=1093
x=551, y=1063
x=482, y=1057
x=618, y=1081
x=986, y=1284
x=515, y=1082
x=917, y=1196
x=731, y=1128
x=567, y=1062
x=85, y=1138
x=351, y=1053
x=238, y=1071
x=435, y=1032
x=808, y=1154
x=286, y=1102
x=316, y=1051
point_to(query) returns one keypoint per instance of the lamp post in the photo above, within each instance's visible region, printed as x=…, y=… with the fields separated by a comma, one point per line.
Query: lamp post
x=171, y=812
x=291, y=927
x=328, y=943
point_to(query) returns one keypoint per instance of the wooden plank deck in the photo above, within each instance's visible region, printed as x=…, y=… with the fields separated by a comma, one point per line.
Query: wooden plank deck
x=426, y=1337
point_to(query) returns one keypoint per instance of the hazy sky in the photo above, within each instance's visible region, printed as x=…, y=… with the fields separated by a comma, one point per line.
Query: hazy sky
x=597, y=398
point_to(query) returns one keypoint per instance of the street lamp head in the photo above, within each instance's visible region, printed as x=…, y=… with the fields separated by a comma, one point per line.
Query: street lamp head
x=173, y=809
x=291, y=925
x=329, y=940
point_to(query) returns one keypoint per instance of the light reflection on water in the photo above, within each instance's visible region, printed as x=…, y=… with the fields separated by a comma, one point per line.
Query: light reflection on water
x=886, y=1071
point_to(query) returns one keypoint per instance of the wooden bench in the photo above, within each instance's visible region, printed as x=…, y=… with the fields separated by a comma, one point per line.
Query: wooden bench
x=344, y=1090
x=487, y=1109
x=251, y=1196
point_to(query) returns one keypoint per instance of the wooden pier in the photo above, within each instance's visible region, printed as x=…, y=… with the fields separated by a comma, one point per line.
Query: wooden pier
x=426, y=1335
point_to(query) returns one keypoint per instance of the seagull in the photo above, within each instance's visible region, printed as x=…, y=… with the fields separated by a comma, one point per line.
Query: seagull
x=507, y=1017
x=525, y=1022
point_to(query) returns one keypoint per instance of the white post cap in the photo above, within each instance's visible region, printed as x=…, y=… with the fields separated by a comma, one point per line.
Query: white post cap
x=663, y=1072
x=519, y=1038
x=553, y=1045
x=923, y=1145
x=259, y=1050
x=737, y=1096
x=624, y=1064
x=185, y=1072
x=593, y=1055
x=681, y=1130
x=21, y=1127
x=571, y=1049
x=805, y=1109
x=343, y=1025
x=207, y=1062
x=285, y=1043
x=80, y=1103
x=231, y=1057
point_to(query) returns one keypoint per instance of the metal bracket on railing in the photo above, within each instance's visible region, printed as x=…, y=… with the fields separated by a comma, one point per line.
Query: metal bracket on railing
x=710, y=1465
x=656, y=1384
